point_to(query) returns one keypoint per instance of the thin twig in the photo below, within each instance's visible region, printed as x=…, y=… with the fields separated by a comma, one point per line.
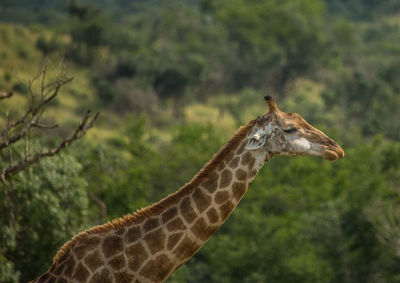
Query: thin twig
x=20, y=128
x=42, y=126
x=85, y=125
x=34, y=111
x=42, y=84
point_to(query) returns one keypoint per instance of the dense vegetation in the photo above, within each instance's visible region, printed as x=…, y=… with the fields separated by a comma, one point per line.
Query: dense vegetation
x=172, y=80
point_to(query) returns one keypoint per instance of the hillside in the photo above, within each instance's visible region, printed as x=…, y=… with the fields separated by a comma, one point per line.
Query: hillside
x=172, y=82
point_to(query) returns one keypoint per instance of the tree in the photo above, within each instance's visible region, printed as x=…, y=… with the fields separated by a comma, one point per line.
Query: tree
x=47, y=204
x=276, y=41
x=87, y=31
x=19, y=129
x=40, y=210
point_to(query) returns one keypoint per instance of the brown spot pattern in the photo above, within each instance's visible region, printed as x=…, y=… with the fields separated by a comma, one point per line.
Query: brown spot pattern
x=238, y=190
x=133, y=234
x=61, y=280
x=212, y=215
x=85, y=245
x=112, y=245
x=234, y=163
x=80, y=250
x=123, y=277
x=120, y=231
x=43, y=278
x=117, y=262
x=211, y=183
x=221, y=165
x=252, y=173
x=242, y=147
x=176, y=224
x=69, y=268
x=241, y=175
x=221, y=197
x=201, y=200
x=246, y=158
x=136, y=256
x=103, y=276
x=225, y=209
x=186, y=248
x=226, y=177
x=52, y=268
x=91, y=241
x=59, y=270
x=202, y=230
x=155, y=240
x=169, y=214
x=64, y=257
x=187, y=210
x=151, y=224
x=81, y=273
x=229, y=157
x=93, y=260
x=157, y=269
x=173, y=240
x=252, y=162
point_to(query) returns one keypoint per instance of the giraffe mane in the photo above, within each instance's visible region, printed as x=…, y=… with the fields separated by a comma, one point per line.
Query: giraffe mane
x=167, y=201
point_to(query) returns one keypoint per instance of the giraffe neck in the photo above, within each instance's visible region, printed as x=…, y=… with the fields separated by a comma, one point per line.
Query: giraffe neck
x=152, y=244
x=175, y=235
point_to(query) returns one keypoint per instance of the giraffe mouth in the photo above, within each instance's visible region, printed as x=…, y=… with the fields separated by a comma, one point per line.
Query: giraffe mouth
x=333, y=153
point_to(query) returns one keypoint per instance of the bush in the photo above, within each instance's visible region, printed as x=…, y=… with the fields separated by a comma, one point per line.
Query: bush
x=20, y=87
x=47, y=46
x=41, y=209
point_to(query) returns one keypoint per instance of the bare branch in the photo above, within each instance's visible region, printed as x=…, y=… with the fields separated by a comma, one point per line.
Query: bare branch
x=43, y=80
x=54, y=89
x=41, y=94
x=42, y=126
x=85, y=125
x=34, y=111
x=5, y=94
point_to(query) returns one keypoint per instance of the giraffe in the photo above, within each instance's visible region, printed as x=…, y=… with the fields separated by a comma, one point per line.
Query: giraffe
x=149, y=245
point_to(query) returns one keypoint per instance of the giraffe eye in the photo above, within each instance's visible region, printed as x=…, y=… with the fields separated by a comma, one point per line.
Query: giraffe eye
x=290, y=130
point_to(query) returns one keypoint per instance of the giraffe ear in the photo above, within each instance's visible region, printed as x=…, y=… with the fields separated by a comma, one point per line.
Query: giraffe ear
x=257, y=140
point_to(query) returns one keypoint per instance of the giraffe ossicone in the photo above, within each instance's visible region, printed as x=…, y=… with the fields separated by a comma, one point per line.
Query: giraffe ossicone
x=149, y=245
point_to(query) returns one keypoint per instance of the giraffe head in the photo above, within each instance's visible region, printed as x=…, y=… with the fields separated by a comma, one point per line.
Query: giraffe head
x=289, y=134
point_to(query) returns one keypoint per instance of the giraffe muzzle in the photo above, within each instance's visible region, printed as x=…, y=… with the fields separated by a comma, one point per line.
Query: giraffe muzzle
x=333, y=153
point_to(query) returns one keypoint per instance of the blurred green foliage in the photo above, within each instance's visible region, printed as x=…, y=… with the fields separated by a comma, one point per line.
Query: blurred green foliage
x=146, y=64
x=305, y=220
x=40, y=210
